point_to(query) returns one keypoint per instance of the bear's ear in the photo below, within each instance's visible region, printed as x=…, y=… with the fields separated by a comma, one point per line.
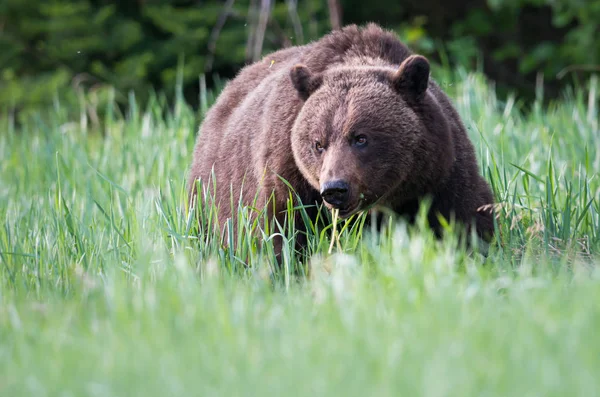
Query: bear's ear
x=412, y=76
x=304, y=81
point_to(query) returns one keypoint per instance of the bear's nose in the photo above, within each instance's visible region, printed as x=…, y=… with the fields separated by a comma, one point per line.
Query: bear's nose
x=335, y=193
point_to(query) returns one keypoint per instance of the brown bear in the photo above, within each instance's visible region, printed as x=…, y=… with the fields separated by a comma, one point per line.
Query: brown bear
x=352, y=120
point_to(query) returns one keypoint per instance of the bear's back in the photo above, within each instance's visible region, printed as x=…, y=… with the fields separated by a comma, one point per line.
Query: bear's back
x=352, y=43
x=248, y=80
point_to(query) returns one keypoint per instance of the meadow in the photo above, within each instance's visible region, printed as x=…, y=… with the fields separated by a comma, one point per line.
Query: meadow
x=109, y=288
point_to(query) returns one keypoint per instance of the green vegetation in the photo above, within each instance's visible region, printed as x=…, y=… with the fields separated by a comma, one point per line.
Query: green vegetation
x=70, y=47
x=105, y=289
x=67, y=48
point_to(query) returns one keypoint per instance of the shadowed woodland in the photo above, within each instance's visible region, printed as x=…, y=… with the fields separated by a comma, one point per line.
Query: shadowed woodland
x=49, y=48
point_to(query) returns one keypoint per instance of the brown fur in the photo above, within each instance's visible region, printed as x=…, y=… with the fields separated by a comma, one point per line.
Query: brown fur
x=353, y=82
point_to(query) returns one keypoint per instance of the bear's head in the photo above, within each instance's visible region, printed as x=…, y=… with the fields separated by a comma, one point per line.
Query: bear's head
x=370, y=134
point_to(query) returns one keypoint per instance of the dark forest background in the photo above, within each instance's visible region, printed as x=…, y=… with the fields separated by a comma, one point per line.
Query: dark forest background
x=58, y=49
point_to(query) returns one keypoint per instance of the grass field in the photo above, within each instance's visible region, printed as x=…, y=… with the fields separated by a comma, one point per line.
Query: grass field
x=107, y=291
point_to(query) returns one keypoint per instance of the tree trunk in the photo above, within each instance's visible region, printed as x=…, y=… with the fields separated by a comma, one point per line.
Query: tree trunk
x=335, y=14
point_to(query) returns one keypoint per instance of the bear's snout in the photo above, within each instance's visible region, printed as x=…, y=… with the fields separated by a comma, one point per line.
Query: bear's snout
x=336, y=193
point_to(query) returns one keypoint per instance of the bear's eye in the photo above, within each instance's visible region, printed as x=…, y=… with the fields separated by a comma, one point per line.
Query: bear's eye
x=318, y=146
x=360, y=140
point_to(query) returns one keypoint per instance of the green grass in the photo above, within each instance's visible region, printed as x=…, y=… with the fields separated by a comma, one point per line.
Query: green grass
x=106, y=288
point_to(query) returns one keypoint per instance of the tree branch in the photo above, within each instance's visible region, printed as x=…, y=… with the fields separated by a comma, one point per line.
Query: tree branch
x=214, y=35
x=293, y=11
x=263, y=19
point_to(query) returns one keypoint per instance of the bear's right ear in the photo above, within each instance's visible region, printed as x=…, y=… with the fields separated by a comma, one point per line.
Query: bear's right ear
x=304, y=81
x=412, y=77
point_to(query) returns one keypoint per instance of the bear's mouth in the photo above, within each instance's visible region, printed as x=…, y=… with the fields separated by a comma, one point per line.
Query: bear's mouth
x=344, y=212
x=363, y=204
x=349, y=210
x=360, y=204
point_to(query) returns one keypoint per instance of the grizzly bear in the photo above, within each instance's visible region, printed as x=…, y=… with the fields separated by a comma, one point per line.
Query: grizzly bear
x=353, y=121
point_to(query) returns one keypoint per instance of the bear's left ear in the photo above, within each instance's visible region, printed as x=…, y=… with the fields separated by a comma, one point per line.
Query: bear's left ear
x=412, y=76
x=304, y=81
